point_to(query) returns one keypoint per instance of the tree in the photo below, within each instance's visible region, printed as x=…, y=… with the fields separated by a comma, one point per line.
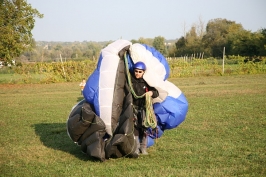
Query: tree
x=76, y=52
x=16, y=24
x=66, y=52
x=180, y=46
x=147, y=41
x=217, y=31
x=191, y=43
x=245, y=43
x=171, y=50
x=159, y=44
x=134, y=41
x=142, y=40
x=263, y=42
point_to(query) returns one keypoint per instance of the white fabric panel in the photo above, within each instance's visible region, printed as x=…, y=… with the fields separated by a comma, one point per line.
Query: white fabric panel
x=107, y=78
x=162, y=95
x=106, y=116
x=155, y=71
x=172, y=89
x=167, y=88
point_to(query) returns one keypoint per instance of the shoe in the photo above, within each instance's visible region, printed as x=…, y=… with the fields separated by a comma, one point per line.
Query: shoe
x=143, y=151
x=136, y=151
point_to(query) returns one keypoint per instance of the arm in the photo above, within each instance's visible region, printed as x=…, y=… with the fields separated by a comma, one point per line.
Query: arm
x=153, y=92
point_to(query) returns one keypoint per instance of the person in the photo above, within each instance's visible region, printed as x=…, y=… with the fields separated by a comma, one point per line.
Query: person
x=82, y=85
x=141, y=87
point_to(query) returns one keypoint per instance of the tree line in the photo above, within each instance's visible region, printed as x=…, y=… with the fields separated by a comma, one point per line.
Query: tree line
x=199, y=41
x=50, y=51
x=220, y=33
x=17, y=42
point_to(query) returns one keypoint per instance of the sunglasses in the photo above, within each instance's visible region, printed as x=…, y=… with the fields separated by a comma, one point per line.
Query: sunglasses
x=139, y=71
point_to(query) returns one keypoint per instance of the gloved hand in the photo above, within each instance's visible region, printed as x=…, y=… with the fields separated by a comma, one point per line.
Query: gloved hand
x=149, y=93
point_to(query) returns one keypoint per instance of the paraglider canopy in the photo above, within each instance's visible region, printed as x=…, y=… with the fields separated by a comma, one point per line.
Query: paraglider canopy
x=102, y=124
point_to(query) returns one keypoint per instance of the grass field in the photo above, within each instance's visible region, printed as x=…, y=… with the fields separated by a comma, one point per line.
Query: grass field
x=224, y=133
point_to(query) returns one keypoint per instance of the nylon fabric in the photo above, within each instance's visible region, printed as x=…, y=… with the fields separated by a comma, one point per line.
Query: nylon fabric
x=105, y=128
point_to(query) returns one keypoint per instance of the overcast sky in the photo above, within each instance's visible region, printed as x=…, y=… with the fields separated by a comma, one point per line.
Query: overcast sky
x=104, y=20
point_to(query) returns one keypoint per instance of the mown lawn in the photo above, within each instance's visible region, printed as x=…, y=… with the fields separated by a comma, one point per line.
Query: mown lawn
x=224, y=133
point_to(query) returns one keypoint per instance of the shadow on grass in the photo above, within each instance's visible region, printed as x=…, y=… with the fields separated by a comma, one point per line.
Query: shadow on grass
x=54, y=135
x=80, y=98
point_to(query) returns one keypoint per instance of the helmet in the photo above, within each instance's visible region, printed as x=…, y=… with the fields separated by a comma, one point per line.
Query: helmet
x=140, y=65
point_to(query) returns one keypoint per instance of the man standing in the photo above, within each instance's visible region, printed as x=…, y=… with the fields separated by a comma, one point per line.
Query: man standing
x=141, y=87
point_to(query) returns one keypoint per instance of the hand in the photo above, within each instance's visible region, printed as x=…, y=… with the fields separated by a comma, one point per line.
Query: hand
x=149, y=93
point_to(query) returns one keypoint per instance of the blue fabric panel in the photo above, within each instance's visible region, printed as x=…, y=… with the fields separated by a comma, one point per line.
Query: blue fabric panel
x=171, y=112
x=150, y=141
x=130, y=63
x=91, y=90
x=99, y=62
x=155, y=134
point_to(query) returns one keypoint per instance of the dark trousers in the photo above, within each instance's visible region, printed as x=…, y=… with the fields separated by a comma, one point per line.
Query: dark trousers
x=139, y=129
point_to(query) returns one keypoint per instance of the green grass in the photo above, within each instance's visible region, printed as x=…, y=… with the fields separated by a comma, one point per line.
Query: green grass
x=224, y=133
x=11, y=78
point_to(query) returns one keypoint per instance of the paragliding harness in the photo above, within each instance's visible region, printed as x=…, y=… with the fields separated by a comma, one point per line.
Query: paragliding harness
x=148, y=116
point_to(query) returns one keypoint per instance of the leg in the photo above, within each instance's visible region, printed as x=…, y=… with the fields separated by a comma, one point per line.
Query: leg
x=143, y=143
x=143, y=134
x=137, y=145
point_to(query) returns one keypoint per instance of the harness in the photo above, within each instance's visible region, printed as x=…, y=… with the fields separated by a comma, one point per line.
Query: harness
x=149, y=119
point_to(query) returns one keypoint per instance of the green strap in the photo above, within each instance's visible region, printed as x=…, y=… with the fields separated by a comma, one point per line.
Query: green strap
x=150, y=119
x=129, y=80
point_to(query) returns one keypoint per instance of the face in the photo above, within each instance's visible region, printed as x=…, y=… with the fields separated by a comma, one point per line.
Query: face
x=138, y=73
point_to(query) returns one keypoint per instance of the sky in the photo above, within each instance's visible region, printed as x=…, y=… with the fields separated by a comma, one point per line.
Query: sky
x=109, y=20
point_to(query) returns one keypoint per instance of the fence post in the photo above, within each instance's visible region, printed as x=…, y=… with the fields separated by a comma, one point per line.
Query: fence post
x=223, y=59
x=63, y=66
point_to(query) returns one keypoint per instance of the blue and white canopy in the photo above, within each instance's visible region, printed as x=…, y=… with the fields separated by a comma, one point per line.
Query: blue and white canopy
x=170, y=107
x=108, y=98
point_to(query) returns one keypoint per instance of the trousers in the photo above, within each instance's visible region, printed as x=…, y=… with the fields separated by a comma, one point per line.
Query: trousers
x=139, y=129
